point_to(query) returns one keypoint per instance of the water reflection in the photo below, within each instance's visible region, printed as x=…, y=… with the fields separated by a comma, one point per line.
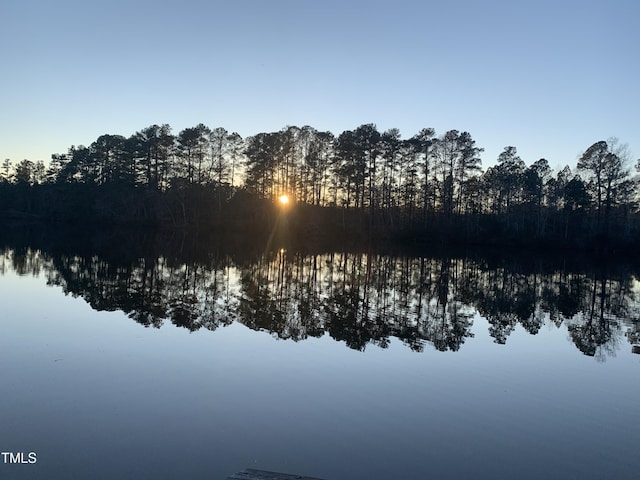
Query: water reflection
x=359, y=298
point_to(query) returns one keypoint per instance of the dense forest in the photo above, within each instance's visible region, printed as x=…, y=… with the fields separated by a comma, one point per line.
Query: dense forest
x=428, y=188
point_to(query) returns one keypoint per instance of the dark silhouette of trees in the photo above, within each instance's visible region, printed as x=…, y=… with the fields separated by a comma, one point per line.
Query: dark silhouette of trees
x=609, y=181
x=505, y=180
x=351, y=169
x=421, y=147
x=5, y=172
x=153, y=146
x=192, y=149
x=262, y=153
x=315, y=179
x=426, y=189
x=108, y=157
x=456, y=159
x=535, y=180
x=25, y=173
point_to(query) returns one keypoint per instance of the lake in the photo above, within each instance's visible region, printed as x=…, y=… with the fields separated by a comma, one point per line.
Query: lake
x=175, y=358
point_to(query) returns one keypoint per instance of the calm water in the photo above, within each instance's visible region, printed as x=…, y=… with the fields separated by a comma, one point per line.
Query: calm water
x=357, y=365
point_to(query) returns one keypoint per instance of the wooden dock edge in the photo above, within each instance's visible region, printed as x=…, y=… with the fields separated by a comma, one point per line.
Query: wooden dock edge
x=252, y=474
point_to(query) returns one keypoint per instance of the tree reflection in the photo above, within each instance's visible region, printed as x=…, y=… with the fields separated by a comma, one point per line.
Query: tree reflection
x=359, y=298
x=594, y=329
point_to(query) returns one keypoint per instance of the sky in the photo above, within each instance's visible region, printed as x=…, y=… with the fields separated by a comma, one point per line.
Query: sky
x=548, y=77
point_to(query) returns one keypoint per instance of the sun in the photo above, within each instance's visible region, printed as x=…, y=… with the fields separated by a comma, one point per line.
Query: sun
x=284, y=199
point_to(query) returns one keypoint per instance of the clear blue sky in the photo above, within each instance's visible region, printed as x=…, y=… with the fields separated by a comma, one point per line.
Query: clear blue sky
x=549, y=77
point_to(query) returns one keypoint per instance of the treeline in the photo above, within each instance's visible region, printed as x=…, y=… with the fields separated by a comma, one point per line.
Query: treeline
x=428, y=186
